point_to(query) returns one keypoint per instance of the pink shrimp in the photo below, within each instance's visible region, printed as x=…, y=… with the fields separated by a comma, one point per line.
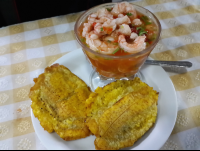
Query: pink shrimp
x=110, y=25
x=98, y=28
x=104, y=13
x=104, y=19
x=94, y=22
x=137, y=22
x=87, y=28
x=93, y=18
x=124, y=7
x=123, y=20
x=133, y=36
x=138, y=45
x=92, y=39
x=120, y=15
x=105, y=28
x=125, y=29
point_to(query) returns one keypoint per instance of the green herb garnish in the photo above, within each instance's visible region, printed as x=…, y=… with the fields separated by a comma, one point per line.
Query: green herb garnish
x=148, y=23
x=83, y=39
x=129, y=14
x=145, y=19
x=116, y=50
x=108, y=41
x=153, y=37
x=142, y=32
x=107, y=59
x=97, y=56
x=109, y=9
x=122, y=50
x=115, y=43
x=138, y=28
x=101, y=28
x=87, y=45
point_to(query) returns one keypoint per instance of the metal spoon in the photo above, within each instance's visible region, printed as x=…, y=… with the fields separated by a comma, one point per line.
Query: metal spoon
x=169, y=63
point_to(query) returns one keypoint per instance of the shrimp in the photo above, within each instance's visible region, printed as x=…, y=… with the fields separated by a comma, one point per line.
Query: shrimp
x=98, y=28
x=137, y=22
x=109, y=38
x=125, y=30
x=104, y=13
x=106, y=28
x=104, y=19
x=92, y=39
x=133, y=36
x=92, y=35
x=101, y=16
x=120, y=15
x=115, y=34
x=104, y=47
x=92, y=18
x=124, y=7
x=107, y=48
x=138, y=45
x=109, y=26
x=86, y=29
x=94, y=44
x=123, y=20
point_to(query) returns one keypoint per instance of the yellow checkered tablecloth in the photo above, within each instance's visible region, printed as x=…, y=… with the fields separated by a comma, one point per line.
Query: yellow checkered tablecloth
x=27, y=48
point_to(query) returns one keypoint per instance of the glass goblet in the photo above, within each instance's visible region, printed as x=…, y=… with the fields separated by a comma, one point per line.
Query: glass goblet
x=108, y=68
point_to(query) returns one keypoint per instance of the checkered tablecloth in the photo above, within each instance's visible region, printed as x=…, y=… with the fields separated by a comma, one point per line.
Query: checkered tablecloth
x=27, y=48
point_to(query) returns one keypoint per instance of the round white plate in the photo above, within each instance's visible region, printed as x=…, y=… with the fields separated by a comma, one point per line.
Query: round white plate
x=154, y=139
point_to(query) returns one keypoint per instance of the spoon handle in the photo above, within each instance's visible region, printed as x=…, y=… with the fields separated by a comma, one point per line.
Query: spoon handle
x=169, y=63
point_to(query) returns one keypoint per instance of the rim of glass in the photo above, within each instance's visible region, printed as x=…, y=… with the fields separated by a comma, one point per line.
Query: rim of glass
x=116, y=57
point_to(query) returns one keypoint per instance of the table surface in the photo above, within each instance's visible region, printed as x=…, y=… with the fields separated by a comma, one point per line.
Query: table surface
x=27, y=48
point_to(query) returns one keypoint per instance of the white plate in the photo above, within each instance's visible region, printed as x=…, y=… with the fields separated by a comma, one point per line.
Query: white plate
x=154, y=139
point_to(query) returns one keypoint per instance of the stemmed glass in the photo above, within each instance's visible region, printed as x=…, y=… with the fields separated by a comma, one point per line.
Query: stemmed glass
x=108, y=68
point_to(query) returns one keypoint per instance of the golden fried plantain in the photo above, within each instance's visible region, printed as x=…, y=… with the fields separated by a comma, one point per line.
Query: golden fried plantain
x=58, y=101
x=120, y=113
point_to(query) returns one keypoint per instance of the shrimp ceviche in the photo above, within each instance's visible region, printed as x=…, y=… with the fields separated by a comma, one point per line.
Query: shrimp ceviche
x=119, y=30
x=120, y=37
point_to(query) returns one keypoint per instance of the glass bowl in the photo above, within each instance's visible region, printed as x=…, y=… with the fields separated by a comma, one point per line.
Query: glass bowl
x=116, y=67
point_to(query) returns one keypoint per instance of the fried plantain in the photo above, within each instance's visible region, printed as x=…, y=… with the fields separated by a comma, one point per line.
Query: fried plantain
x=58, y=101
x=120, y=113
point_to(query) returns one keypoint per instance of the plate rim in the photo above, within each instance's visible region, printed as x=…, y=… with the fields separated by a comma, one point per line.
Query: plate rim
x=80, y=50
